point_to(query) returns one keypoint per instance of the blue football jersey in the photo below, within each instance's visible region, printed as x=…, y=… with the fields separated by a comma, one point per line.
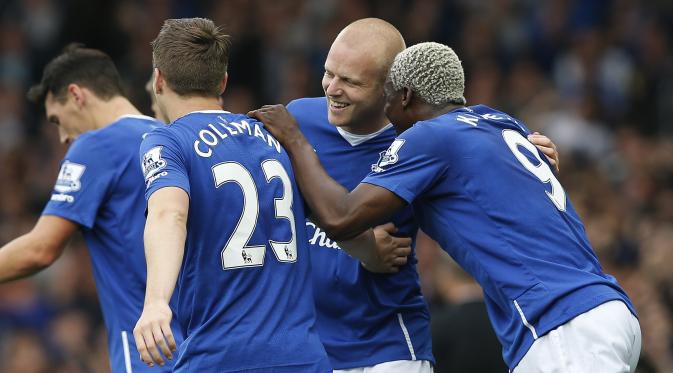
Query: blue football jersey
x=490, y=199
x=100, y=188
x=363, y=318
x=245, y=300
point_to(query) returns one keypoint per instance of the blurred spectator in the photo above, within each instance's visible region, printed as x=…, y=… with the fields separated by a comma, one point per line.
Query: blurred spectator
x=462, y=337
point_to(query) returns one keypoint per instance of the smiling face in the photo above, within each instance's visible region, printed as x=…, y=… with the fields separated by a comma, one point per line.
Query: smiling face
x=66, y=116
x=353, y=85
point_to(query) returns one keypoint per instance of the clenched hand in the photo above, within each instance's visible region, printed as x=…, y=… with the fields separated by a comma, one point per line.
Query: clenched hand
x=391, y=252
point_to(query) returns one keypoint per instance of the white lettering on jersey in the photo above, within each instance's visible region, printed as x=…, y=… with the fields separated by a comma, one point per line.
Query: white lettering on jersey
x=493, y=116
x=242, y=127
x=320, y=237
x=388, y=157
x=69, y=176
x=152, y=163
x=469, y=119
x=60, y=197
x=214, y=134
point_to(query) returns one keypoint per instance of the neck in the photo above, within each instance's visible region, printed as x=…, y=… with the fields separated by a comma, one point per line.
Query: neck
x=368, y=128
x=109, y=111
x=178, y=106
x=425, y=112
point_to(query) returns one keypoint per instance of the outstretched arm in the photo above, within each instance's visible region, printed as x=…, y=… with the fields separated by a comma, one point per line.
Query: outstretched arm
x=343, y=215
x=37, y=249
x=165, y=233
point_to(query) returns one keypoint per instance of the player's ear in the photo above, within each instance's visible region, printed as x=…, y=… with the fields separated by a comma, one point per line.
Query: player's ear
x=158, y=82
x=223, y=85
x=77, y=94
x=407, y=95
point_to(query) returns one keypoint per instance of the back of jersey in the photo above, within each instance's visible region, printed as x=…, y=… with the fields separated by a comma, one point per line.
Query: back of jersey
x=491, y=200
x=244, y=292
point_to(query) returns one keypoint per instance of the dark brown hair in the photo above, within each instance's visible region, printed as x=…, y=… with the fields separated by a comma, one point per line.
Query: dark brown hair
x=90, y=68
x=192, y=54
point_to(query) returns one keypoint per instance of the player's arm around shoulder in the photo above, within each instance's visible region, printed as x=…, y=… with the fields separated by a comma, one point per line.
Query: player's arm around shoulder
x=341, y=214
x=37, y=249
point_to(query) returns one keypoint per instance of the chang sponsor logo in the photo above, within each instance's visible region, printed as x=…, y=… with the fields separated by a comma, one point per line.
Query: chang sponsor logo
x=320, y=238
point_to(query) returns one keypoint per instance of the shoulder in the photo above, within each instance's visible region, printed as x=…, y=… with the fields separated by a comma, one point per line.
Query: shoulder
x=308, y=110
x=498, y=118
x=444, y=136
x=159, y=136
x=429, y=132
x=310, y=107
x=237, y=118
x=118, y=134
x=307, y=103
x=88, y=146
x=457, y=124
x=91, y=150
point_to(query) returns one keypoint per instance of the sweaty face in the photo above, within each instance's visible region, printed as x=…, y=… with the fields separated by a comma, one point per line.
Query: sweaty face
x=65, y=116
x=353, y=85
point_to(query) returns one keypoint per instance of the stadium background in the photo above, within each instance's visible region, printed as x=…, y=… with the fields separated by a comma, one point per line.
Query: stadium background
x=595, y=75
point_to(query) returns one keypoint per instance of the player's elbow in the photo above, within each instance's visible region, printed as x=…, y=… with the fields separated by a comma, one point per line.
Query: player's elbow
x=342, y=224
x=338, y=229
x=168, y=217
x=44, y=255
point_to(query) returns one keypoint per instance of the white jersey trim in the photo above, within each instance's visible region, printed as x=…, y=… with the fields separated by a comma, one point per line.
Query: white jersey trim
x=127, y=354
x=406, y=336
x=208, y=112
x=525, y=322
x=136, y=116
x=356, y=140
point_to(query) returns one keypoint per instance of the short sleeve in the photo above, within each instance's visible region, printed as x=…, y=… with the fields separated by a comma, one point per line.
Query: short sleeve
x=163, y=163
x=83, y=183
x=409, y=166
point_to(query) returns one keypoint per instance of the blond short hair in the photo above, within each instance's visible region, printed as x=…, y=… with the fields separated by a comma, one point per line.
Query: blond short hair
x=432, y=71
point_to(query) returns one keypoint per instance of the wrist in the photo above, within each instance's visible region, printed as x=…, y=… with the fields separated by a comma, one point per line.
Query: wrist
x=297, y=143
x=155, y=300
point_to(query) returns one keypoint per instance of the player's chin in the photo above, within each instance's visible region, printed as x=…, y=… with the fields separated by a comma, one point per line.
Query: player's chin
x=339, y=118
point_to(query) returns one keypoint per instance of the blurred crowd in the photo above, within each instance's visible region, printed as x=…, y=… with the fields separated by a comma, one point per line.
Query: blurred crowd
x=594, y=75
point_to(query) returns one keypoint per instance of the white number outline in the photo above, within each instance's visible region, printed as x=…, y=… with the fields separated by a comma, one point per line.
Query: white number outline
x=253, y=256
x=283, y=210
x=542, y=171
x=227, y=172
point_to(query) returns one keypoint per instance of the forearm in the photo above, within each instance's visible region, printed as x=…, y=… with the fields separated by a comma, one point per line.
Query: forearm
x=341, y=214
x=361, y=247
x=165, y=234
x=329, y=201
x=22, y=257
x=37, y=249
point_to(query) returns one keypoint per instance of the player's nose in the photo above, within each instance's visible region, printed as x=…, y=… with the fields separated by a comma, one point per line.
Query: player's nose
x=64, y=138
x=333, y=88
